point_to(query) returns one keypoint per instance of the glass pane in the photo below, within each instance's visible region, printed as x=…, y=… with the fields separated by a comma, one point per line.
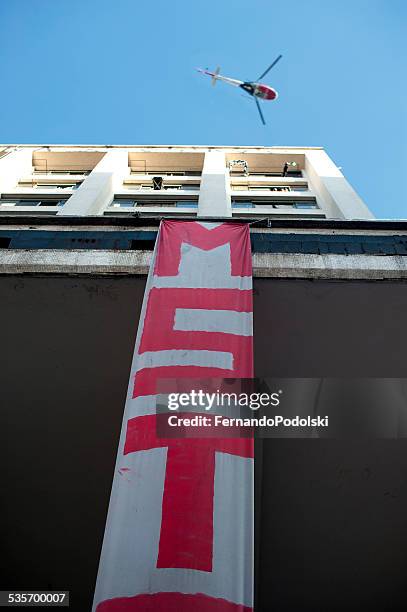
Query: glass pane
x=308, y=204
x=155, y=204
x=186, y=204
x=242, y=205
x=123, y=203
x=27, y=203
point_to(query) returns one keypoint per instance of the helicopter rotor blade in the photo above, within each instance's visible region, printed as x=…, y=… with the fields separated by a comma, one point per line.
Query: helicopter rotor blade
x=270, y=67
x=259, y=109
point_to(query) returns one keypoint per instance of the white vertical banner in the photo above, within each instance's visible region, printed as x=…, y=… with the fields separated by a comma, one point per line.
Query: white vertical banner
x=179, y=532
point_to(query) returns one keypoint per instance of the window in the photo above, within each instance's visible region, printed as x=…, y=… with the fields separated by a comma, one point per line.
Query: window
x=186, y=204
x=306, y=204
x=4, y=242
x=242, y=205
x=297, y=204
x=154, y=203
x=283, y=188
x=282, y=205
x=121, y=203
x=143, y=245
x=290, y=173
x=280, y=188
x=261, y=188
x=150, y=187
x=64, y=172
x=57, y=186
x=139, y=187
x=184, y=187
x=10, y=202
x=165, y=173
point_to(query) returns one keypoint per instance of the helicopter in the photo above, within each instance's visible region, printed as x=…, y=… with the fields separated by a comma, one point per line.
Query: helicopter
x=253, y=88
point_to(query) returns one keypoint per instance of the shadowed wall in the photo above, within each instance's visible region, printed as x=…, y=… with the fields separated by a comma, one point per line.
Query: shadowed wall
x=332, y=532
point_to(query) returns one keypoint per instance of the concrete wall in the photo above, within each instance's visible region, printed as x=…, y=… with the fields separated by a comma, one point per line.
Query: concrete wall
x=214, y=197
x=13, y=166
x=98, y=189
x=335, y=195
x=332, y=529
x=267, y=265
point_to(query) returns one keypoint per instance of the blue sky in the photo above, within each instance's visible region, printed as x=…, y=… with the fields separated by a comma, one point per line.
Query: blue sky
x=122, y=72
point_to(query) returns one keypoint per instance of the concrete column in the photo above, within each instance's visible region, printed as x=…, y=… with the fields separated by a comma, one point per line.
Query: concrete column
x=338, y=199
x=98, y=189
x=13, y=166
x=214, y=197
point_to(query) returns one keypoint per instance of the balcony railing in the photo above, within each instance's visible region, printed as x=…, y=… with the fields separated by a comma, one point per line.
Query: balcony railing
x=262, y=204
x=292, y=174
x=126, y=204
x=50, y=186
x=149, y=187
x=18, y=203
x=78, y=172
x=165, y=173
x=268, y=188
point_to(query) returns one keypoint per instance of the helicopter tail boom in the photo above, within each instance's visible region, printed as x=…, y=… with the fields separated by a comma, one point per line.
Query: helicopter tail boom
x=215, y=76
x=218, y=77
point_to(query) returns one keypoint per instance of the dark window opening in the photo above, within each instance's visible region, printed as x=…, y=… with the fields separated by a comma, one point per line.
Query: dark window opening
x=290, y=173
x=30, y=203
x=142, y=245
x=86, y=240
x=4, y=242
x=65, y=172
x=157, y=182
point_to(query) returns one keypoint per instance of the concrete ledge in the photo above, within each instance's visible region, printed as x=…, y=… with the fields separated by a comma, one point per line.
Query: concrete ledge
x=56, y=261
x=266, y=265
x=346, y=267
x=266, y=223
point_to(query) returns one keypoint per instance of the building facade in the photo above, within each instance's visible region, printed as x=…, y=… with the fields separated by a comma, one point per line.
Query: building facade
x=96, y=209
x=78, y=226
x=283, y=183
